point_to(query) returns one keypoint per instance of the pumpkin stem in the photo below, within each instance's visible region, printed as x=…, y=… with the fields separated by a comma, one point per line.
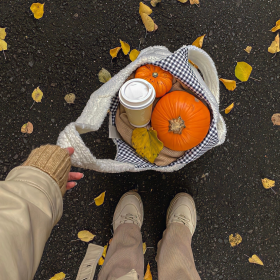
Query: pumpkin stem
x=176, y=125
x=155, y=74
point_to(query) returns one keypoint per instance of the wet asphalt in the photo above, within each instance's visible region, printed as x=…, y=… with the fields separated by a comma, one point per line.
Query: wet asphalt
x=64, y=51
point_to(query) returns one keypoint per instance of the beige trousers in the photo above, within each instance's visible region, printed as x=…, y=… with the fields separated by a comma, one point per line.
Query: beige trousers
x=175, y=259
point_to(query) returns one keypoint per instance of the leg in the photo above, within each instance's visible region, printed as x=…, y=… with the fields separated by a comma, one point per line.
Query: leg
x=125, y=252
x=175, y=259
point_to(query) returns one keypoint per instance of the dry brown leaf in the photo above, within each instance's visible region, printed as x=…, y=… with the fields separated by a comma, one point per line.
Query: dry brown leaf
x=248, y=49
x=155, y=2
x=276, y=119
x=27, y=128
x=235, y=240
x=70, y=98
x=255, y=259
x=274, y=47
x=183, y=1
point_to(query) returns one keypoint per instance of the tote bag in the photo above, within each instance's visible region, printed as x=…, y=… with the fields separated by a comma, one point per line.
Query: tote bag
x=106, y=98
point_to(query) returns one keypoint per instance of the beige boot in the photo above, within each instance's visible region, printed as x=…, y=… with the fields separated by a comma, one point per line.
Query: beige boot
x=182, y=210
x=129, y=210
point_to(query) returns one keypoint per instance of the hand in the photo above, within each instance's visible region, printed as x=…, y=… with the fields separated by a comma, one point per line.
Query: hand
x=73, y=176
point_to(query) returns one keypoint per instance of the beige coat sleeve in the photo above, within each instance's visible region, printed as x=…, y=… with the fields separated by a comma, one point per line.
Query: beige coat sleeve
x=30, y=205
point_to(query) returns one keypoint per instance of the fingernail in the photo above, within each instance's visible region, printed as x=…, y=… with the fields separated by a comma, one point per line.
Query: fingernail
x=76, y=184
x=83, y=176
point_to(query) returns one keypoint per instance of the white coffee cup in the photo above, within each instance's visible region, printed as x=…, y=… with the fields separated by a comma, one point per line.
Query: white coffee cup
x=137, y=97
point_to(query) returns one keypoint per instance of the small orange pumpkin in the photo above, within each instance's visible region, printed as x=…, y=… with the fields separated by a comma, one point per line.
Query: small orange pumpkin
x=181, y=120
x=160, y=79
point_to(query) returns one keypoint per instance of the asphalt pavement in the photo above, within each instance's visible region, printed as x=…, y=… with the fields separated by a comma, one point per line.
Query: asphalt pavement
x=63, y=52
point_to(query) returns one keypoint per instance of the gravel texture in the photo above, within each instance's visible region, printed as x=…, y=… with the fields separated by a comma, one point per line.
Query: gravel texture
x=63, y=52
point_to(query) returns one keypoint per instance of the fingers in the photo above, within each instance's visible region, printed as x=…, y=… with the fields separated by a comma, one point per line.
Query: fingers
x=70, y=151
x=70, y=185
x=73, y=176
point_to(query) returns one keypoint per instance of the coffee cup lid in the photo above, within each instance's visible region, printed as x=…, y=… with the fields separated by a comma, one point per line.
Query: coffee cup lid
x=137, y=94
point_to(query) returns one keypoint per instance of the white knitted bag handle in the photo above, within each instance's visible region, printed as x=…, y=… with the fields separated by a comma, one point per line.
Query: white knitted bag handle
x=97, y=107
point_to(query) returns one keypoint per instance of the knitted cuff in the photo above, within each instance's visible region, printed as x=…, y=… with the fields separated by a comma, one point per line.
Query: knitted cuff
x=53, y=160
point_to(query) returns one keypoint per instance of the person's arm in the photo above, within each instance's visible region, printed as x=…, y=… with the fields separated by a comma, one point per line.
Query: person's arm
x=30, y=205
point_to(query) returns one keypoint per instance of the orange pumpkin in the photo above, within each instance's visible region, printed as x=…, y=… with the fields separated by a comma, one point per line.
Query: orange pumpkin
x=181, y=120
x=160, y=79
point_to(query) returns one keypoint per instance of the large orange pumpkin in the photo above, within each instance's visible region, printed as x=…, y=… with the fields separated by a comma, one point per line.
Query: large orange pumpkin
x=160, y=79
x=181, y=120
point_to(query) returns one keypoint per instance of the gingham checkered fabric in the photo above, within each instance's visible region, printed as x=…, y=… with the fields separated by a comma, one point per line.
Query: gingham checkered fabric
x=177, y=64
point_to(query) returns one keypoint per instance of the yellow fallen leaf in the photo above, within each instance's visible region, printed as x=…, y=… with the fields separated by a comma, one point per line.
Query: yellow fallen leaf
x=144, y=9
x=243, y=71
x=274, y=47
x=199, y=41
x=267, y=184
x=235, y=240
x=2, y=33
x=229, y=84
x=229, y=108
x=37, y=9
x=3, y=45
x=101, y=260
x=275, y=119
x=27, y=128
x=58, y=276
x=194, y=2
x=37, y=95
x=255, y=259
x=104, y=76
x=248, y=49
x=183, y=1
x=99, y=199
x=125, y=47
x=146, y=143
x=70, y=98
x=154, y=2
x=194, y=65
x=133, y=54
x=276, y=27
x=148, y=22
x=85, y=235
x=114, y=52
x=148, y=274
x=144, y=248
